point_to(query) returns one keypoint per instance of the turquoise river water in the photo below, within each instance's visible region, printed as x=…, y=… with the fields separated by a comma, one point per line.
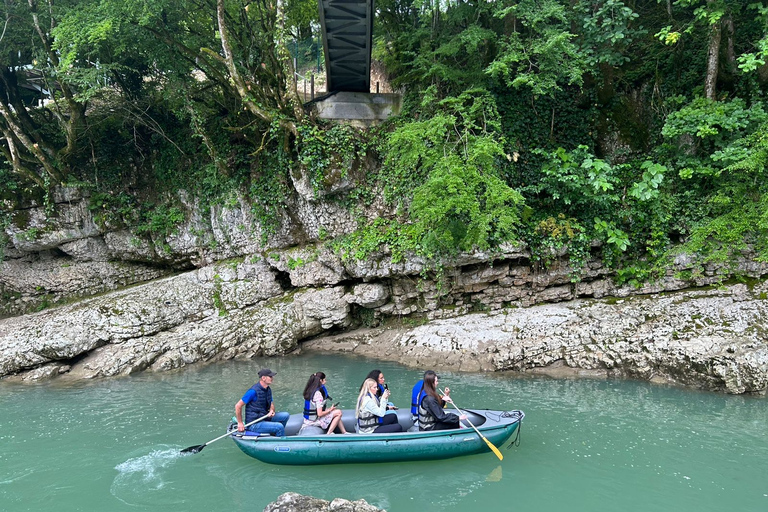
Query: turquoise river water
x=586, y=445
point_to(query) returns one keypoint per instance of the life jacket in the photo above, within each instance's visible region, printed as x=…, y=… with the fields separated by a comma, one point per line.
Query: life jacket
x=379, y=393
x=255, y=409
x=426, y=420
x=310, y=408
x=366, y=420
x=416, y=395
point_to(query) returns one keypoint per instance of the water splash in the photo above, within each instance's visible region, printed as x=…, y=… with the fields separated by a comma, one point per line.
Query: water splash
x=145, y=470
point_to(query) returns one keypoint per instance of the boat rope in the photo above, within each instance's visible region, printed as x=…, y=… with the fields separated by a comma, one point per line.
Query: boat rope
x=516, y=416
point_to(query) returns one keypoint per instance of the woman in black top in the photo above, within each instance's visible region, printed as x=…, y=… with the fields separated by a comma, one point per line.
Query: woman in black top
x=431, y=413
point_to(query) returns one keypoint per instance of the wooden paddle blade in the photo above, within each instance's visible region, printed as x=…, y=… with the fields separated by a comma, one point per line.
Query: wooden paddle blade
x=493, y=449
x=193, y=449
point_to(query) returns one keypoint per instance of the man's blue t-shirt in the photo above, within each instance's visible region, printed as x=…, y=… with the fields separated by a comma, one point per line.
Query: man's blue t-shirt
x=257, y=402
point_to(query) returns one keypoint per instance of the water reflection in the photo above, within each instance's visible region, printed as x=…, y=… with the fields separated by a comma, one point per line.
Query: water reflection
x=412, y=486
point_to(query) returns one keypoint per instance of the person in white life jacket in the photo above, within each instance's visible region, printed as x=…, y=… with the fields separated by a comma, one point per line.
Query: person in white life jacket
x=317, y=413
x=431, y=413
x=371, y=411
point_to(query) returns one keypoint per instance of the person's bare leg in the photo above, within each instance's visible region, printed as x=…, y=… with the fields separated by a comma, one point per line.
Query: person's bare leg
x=341, y=423
x=334, y=423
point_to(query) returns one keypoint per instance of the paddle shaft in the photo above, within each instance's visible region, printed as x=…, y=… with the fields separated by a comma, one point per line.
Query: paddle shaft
x=244, y=426
x=490, y=445
x=195, y=449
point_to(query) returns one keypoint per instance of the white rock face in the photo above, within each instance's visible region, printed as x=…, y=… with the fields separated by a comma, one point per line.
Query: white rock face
x=218, y=312
x=714, y=339
x=219, y=288
x=369, y=295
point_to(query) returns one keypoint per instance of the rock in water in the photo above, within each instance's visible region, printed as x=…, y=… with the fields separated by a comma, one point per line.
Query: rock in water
x=293, y=502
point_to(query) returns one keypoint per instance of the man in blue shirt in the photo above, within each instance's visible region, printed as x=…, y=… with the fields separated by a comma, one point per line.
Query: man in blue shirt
x=258, y=403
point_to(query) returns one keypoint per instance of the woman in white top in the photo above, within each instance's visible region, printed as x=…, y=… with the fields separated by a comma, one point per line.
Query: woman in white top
x=371, y=411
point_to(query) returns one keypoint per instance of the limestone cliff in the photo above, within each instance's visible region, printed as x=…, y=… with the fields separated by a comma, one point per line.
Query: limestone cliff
x=126, y=304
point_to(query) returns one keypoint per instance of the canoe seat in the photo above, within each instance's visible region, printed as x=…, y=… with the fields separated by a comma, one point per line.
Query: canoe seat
x=295, y=426
x=310, y=431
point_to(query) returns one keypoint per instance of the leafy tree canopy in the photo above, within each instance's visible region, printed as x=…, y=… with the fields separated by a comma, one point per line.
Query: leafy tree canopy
x=636, y=123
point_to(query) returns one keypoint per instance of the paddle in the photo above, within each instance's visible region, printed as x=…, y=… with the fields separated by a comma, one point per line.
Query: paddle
x=490, y=445
x=199, y=447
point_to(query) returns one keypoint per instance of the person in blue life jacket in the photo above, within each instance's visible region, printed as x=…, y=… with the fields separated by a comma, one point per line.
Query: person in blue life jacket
x=317, y=413
x=417, y=393
x=378, y=376
x=432, y=416
x=371, y=411
x=258, y=402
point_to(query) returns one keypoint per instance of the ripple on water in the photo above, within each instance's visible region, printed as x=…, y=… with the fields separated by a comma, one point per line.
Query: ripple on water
x=15, y=478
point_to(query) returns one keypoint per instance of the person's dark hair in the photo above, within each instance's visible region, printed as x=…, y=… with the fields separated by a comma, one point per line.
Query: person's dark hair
x=429, y=385
x=313, y=384
x=374, y=374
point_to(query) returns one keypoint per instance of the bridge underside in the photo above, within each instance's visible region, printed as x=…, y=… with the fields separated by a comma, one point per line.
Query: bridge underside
x=347, y=27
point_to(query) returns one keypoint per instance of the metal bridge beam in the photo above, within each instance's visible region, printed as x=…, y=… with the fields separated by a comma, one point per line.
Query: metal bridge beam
x=347, y=27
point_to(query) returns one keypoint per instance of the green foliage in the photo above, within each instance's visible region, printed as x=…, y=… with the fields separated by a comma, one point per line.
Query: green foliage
x=726, y=236
x=301, y=14
x=560, y=121
x=447, y=48
x=113, y=211
x=543, y=57
x=322, y=150
x=566, y=119
x=578, y=180
x=293, y=264
x=551, y=236
x=612, y=235
x=713, y=121
x=751, y=61
x=461, y=208
x=5, y=222
x=648, y=187
x=31, y=234
x=160, y=221
x=621, y=205
x=712, y=131
x=380, y=234
x=11, y=183
x=737, y=213
x=269, y=189
x=218, y=302
x=607, y=30
x=450, y=162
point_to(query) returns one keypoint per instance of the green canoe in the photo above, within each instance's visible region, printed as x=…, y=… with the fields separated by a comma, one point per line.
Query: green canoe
x=294, y=449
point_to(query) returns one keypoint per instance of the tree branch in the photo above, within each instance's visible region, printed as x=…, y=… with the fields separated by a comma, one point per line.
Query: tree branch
x=237, y=79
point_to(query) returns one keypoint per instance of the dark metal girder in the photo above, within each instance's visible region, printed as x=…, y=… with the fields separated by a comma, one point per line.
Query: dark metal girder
x=347, y=28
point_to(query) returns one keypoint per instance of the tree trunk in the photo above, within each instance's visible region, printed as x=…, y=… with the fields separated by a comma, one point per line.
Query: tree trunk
x=72, y=120
x=713, y=59
x=11, y=153
x=730, y=53
x=16, y=131
x=286, y=62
